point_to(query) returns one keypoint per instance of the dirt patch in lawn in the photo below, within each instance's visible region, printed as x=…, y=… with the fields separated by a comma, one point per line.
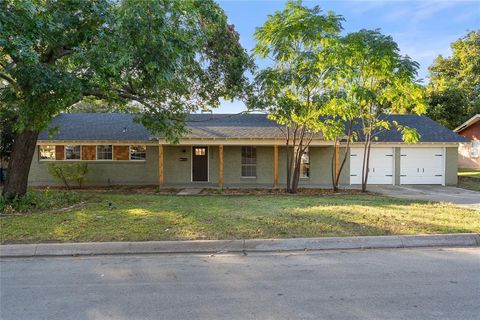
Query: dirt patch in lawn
x=264, y=191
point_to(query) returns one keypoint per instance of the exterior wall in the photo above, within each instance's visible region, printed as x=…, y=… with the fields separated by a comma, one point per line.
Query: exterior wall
x=178, y=168
x=465, y=160
x=104, y=173
x=472, y=132
x=451, y=166
x=178, y=165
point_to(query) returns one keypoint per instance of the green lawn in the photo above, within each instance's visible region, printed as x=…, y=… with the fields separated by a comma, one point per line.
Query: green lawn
x=469, y=179
x=140, y=217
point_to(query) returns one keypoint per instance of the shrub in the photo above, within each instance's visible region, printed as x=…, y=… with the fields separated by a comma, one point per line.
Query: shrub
x=68, y=172
x=38, y=200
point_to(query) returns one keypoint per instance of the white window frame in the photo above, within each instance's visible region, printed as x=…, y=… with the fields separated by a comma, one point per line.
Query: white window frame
x=40, y=152
x=130, y=152
x=72, y=145
x=97, y=153
x=302, y=176
x=475, y=149
x=248, y=164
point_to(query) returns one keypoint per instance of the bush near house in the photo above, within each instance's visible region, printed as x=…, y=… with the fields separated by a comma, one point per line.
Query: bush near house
x=69, y=173
x=35, y=201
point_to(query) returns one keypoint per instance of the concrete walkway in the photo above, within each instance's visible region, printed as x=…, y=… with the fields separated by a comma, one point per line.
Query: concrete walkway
x=460, y=197
x=189, y=192
x=250, y=245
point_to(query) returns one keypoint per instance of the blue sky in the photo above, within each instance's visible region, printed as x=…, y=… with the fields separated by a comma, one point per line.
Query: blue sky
x=422, y=29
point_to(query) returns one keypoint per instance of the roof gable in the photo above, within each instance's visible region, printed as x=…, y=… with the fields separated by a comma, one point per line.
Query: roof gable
x=468, y=123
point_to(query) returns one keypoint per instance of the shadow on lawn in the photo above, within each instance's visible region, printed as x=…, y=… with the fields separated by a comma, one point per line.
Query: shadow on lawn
x=141, y=218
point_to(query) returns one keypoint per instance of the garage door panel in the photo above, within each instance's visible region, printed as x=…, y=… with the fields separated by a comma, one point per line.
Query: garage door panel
x=380, y=166
x=422, y=166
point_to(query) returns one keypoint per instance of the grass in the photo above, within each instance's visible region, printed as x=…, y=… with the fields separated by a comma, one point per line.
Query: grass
x=139, y=217
x=469, y=179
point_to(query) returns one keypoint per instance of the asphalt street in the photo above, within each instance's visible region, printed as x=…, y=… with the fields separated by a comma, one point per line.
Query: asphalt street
x=430, y=283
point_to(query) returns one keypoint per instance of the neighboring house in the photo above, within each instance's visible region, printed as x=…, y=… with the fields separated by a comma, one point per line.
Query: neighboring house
x=469, y=152
x=245, y=150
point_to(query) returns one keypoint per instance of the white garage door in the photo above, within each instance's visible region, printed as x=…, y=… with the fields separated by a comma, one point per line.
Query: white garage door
x=422, y=166
x=380, y=166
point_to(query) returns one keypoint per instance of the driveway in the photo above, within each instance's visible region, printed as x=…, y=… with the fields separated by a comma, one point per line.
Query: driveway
x=460, y=197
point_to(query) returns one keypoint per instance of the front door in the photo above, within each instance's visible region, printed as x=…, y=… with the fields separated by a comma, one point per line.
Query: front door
x=199, y=163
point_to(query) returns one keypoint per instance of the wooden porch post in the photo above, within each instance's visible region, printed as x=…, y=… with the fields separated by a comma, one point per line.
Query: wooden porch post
x=275, y=166
x=160, y=165
x=220, y=166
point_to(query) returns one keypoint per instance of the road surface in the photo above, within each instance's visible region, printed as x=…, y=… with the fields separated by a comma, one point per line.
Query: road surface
x=355, y=284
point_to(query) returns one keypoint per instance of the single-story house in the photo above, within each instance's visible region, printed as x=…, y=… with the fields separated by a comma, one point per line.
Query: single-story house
x=241, y=150
x=469, y=152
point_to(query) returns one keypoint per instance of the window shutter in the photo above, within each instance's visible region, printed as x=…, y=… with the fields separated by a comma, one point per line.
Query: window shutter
x=59, y=152
x=121, y=153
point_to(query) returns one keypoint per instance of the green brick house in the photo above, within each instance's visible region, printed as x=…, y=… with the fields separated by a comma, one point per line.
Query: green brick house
x=244, y=150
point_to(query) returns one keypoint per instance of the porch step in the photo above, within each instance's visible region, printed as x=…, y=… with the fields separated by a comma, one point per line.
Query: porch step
x=189, y=191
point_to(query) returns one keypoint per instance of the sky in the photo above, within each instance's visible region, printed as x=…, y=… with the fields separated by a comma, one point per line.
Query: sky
x=422, y=29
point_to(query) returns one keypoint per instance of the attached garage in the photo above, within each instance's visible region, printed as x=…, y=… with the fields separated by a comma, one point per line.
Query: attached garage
x=422, y=165
x=381, y=166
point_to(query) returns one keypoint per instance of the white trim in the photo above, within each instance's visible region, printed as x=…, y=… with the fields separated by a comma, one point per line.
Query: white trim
x=467, y=123
x=130, y=152
x=65, y=152
x=444, y=180
x=394, y=167
x=191, y=163
x=96, y=153
x=249, y=164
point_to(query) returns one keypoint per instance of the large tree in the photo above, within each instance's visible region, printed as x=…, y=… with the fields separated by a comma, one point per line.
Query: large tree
x=171, y=56
x=454, y=87
x=377, y=81
x=293, y=90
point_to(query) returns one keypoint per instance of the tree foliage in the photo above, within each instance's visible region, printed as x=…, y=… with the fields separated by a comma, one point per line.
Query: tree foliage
x=377, y=80
x=293, y=90
x=454, y=87
x=171, y=56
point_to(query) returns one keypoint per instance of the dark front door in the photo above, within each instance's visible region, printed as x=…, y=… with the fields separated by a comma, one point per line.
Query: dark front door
x=200, y=163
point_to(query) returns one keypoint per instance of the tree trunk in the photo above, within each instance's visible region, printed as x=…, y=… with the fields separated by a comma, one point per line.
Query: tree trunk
x=296, y=174
x=366, y=166
x=19, y=164
x=289, y=167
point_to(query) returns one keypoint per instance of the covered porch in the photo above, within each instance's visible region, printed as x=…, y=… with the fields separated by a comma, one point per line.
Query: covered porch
x=252, y=164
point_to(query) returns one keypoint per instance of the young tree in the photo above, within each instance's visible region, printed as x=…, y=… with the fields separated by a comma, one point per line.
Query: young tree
x=454, y=87
x=298, y=40
x=378, y=81
x=171, y=56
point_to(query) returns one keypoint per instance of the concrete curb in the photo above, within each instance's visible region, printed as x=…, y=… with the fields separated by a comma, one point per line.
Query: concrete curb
x=253, y=245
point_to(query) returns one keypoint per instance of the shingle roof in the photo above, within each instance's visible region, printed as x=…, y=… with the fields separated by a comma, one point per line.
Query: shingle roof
x=429, y=130
x=119, y=126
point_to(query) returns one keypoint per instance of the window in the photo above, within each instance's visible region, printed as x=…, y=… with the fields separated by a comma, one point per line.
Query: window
x=104, y=152
x=305, y=165
x=47, y=152
x=200, y=151
x=72, y=152
x=475, y=150
x=138, y=152
x=249, y=162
